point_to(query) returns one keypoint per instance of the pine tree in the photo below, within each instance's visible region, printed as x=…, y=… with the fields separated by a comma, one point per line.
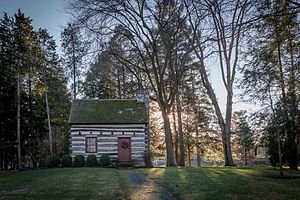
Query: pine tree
x=272, y=71
x=246, y=135
x=8, y=91
x=74, y=49
x=25, y=56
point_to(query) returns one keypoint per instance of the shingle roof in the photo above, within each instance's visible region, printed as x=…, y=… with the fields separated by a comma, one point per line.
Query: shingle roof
x=107, y=112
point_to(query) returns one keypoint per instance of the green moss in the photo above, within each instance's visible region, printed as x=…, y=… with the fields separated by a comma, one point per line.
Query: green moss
x=107, y=112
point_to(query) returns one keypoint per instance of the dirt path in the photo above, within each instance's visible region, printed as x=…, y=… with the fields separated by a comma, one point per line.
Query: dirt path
x=145, y=189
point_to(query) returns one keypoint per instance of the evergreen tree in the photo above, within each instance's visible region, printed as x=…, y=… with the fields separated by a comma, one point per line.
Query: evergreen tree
x=74, y=49
x=8, y=91
x=29, y=67
x=201, y=123
x=246, y=135
x=273, y=71
x=99, y=81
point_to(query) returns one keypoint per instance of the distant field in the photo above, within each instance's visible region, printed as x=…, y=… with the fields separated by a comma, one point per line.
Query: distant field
x=183, y=183
x=226, y=183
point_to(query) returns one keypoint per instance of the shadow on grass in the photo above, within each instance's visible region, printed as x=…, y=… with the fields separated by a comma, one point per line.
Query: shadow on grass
x=226, y=183
x=70, y=183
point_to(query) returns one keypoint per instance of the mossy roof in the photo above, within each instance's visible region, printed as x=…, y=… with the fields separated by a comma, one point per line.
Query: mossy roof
x=108, y=112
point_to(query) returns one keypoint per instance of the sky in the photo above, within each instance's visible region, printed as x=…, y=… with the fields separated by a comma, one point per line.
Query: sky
x=50, y=14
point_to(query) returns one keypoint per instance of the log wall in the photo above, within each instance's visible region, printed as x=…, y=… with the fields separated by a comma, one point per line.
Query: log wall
x=107, y=139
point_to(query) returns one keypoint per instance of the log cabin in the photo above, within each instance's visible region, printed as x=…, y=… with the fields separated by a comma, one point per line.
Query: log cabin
x=115, y=127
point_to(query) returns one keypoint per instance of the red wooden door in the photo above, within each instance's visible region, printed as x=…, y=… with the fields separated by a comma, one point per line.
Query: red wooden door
x=124, y=149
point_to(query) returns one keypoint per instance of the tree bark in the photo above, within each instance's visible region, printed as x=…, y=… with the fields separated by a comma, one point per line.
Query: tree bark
x=225, y=127
x=176, y=137
x=245, y=156
x=2, y=159
x=227, y=131
x=49, y=123
x=196, y=118
x=181, y=141
x=168, y=139
x=74, y=63
x=279, y=152
x=189, y=151
x=198, y=147
x=6, y=159
x=19, y=121
x=293, y=163
x=119, y=83
x=228, y=23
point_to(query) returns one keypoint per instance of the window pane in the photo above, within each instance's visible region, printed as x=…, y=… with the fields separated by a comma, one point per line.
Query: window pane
x=91, y=145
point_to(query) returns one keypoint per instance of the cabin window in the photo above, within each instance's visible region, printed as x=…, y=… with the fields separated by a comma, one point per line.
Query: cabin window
x=91, y=144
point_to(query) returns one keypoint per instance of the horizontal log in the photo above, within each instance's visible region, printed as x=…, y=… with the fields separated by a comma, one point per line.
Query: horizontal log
x=112, y=154
x=80, y=148
x=78, y=142
x=117, y=133
x=109, y=130
x=79, y=138
x=107, y=125
x=108, y=144
x=107, y=138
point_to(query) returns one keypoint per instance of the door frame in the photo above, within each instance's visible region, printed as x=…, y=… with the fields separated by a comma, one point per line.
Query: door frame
x=125, y=137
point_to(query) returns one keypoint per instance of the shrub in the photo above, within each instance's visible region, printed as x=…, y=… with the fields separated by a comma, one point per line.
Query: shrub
x=104, y=160
x=79, y=161
x=53, y=161
x=66, y=161
x=91, y=161
x=147, y=159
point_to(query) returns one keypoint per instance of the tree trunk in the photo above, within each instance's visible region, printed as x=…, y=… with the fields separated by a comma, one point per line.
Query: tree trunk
x=176, y=137
x=279, y=152
x=6, y=159
x=48, y=113
x=74, y=64
x=1, y=159
x=198, y=147
x=292, y=135
x=123, y=83
x=196, y=118
x=255, y=155
x=19, y=121
x=168, y=139
x=49, y=123
x=245, y=156
x=227, y=132
x=119, y=84
x=266, y=156
x=181, y=142
x=189, y=152
x=225, y=127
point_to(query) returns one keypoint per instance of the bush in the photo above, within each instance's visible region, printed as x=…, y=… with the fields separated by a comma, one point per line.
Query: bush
x=53, y=161
x=91, y=161
x=104, y=160
x=79, y=161
x=147, y=159
x=66, y=161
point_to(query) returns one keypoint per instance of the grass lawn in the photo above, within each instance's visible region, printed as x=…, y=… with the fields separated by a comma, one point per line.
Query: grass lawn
x=66, y=183
x=184, y=183
x=226, y=183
